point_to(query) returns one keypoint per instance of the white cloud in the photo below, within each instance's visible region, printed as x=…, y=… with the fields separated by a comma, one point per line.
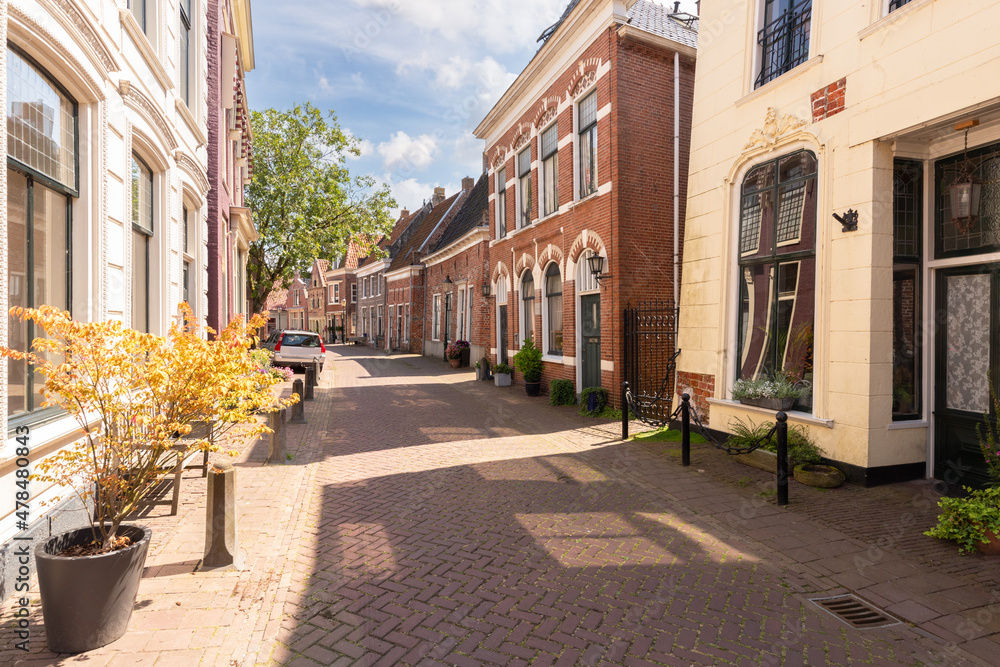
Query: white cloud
x=405, y=155
x=324, y=85
x=468, y=154
x=410, y=194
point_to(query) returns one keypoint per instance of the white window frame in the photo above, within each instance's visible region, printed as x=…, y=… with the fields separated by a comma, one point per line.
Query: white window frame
x=545, y=310
x=527, y=318
x=546, y=172
x=436, y=318
x=354, y=292
x=523, y=219
x=460, y=320
x=501, y=202
x=578, y=194
x=336, y=292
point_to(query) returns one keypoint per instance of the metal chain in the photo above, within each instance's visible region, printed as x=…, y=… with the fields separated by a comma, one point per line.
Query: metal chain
x=734, y=451
x=634, y=408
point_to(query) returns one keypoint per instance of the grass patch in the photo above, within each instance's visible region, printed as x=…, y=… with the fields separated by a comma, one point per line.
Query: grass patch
x=665, y=435
x=743, y=482
x=767, y=493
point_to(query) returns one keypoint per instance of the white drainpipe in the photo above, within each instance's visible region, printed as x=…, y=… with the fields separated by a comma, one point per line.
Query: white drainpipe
x=677, y=177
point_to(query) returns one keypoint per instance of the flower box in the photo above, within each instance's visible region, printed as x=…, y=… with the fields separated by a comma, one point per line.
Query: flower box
x=502, y=379
x=782, y=404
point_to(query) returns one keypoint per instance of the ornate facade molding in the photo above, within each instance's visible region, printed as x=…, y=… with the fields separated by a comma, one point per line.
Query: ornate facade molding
x=774, y=129
x=585, y=77
x=85, y=27
x=547, y=110
x=194, y=170
x=140, y=104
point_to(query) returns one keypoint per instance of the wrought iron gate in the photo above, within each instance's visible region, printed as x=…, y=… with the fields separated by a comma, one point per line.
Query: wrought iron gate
x=649, y=335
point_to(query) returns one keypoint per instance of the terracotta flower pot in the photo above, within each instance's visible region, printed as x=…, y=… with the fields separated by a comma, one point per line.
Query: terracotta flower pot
x=455, y=363
x=992, y=547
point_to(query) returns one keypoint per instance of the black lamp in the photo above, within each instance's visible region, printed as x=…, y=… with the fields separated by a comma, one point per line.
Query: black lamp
x=965, y=191
x=486, y=290
x=596, y=263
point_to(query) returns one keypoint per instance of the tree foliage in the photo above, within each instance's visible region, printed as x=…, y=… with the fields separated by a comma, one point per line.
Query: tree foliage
x=304, y=201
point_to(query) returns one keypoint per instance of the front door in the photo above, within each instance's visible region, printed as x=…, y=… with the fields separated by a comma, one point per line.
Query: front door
x=967, y=355
x=502, y=342
x=590, y=332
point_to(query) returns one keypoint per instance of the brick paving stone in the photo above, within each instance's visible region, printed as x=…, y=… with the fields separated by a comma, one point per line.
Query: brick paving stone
x=429, y=519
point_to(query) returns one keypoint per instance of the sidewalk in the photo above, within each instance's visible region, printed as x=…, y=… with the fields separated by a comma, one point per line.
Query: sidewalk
x=429, y=519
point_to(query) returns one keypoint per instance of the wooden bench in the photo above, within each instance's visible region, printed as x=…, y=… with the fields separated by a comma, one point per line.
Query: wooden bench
x=177, y=460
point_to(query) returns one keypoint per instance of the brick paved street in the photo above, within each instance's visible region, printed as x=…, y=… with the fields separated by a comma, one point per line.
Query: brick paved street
x=429, y=519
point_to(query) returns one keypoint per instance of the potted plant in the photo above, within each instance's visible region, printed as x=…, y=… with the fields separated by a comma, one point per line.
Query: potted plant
x=133, y=395
x=454, y=354
x=528, y=361
x=774, y=393
x=972, y=521
x=466, y=353
x=502, y=375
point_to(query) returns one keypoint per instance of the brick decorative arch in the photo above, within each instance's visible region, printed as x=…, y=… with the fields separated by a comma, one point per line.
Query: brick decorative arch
x=548, y=109
x=584, y=77
x=586, y=240
x=524, y=262
x=501, y=272
x=551, y=253
x=499, y=158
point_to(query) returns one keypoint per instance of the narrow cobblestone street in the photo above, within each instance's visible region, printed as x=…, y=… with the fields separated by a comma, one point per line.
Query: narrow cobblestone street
x=428, y=519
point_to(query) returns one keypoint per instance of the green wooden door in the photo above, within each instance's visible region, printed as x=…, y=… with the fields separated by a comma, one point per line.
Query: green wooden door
x=590, y=333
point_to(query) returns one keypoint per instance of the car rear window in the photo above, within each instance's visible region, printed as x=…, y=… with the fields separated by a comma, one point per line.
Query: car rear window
x=300, y=340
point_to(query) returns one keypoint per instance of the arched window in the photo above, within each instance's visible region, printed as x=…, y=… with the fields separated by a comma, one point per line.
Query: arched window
x=553, y=309
x=777, y=265
x=585, y=280
x=42, y=182
x=527, y=306
x=142, y=231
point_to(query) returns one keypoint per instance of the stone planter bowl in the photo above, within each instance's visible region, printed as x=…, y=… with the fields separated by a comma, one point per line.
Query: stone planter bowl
x=823, y=477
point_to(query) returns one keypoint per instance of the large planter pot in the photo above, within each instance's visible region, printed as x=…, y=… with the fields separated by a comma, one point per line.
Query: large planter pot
x=782, y=404
x=990, y=547
x=760, y=459
x=87, y=601
x=455, y=363
x=501, y=379
x=823, y=477
x=532, y=388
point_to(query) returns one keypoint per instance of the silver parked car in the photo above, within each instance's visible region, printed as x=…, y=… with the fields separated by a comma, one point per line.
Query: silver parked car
x=296, y=349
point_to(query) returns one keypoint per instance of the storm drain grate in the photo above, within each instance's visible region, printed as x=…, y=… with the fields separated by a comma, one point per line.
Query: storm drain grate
x=855, y=612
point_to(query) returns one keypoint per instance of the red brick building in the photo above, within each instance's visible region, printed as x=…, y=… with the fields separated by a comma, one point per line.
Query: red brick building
x=457, y=268
x=405, y=277
x=342, y=292
x=585, y=159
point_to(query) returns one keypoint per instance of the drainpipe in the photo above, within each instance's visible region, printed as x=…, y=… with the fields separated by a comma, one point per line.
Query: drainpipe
x=677, y=177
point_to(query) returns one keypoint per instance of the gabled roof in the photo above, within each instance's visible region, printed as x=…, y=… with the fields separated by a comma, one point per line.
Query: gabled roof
x=409, y=250
x=472, y=214
x=396, y=237
x=551, y=30
x=656, y=18
x=277, y=298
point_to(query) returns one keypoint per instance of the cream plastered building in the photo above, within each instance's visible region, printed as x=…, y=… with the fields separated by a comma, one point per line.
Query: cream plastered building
x=105, y=184
x=822, y=237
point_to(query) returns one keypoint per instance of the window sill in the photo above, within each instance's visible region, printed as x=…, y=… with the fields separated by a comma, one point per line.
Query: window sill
x=189, y=120
x=774, y=83
x=553, y=358
x=891, y=17
x=793, y=415
x=915, y=423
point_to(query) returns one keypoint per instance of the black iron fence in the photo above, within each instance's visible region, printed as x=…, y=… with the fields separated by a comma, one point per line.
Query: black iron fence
x=649, y=335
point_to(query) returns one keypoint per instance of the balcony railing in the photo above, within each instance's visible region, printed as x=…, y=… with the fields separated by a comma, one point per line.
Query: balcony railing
x=784, y=43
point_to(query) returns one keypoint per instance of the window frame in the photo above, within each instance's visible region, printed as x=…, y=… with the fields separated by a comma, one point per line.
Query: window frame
x=436, y=318
x=501, y=205
x=146, y=234
x=775, y=265
x=185, y=43
x=587, y=133
x=524, y=186
x=354, y=292
x=140, y=19
x=908, y=263
x=527, y=306
x=549, y=172
x=553, y=300
x=763, y=72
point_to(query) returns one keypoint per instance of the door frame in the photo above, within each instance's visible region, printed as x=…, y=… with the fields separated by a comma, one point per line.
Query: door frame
x=578, y=335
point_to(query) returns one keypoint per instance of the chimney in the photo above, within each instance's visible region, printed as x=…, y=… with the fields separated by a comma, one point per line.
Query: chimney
x=468, y=183
x=404, y=213
x=697, y=8
x=677, y=7
x=438, y=196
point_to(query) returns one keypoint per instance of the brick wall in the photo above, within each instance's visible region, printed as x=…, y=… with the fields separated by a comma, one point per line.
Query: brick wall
x=829, y=100
x=471, y=267
x=700, y=387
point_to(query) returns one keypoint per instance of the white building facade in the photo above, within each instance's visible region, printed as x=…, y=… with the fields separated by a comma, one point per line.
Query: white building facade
x=105, y=184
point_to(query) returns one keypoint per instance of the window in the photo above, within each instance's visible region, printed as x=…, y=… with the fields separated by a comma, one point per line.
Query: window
x=336, y=293
x=777, y=271
x=186, y=45
x=368, y=288
x=585, y=280
x=524, y=187
x=502, y=203
x=354, y=292
x=588, y=144
x=436, y=318
x=142, y=232
x=784, y=39
x=364, y=319
x=298, y=296
x=549, y=150
x=380, y=330
x=406, y=323
x=896, y=4
x=460, y=335
x=907, y=223
x=41, y=185
x=980, y=233
x=241, y=258
x=553, y=309
x=138, y=8
x=528, y=306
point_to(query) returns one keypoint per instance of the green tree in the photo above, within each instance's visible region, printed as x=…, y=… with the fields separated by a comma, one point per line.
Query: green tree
x=304, y=201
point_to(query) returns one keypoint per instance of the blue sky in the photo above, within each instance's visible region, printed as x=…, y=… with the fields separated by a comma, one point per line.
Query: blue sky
x=410, y=78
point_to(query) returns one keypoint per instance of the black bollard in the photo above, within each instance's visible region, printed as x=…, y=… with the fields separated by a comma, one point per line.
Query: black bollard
x=685, y=430
x=310, y=382
x=277, y=451
x=221, y=536
x=624, y=411
x=298, y=409
x=782, y=434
